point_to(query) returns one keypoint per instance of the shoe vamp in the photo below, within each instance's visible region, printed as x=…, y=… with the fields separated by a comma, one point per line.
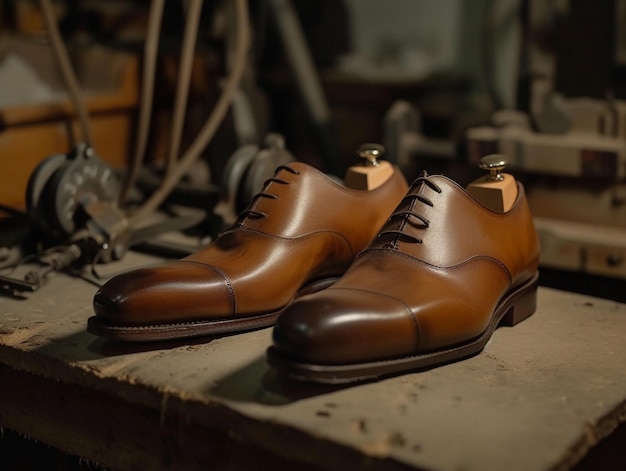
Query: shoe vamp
x=263, y=273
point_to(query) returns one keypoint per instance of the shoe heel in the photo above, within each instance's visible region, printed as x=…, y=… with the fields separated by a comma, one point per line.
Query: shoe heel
x=523, y=306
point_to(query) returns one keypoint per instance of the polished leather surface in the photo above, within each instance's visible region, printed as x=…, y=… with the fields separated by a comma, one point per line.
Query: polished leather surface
x=431, y=279
x=303, y=227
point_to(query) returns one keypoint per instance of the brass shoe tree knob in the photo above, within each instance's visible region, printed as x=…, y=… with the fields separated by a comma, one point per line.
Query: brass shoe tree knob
x=371, y=152
x=494, y=163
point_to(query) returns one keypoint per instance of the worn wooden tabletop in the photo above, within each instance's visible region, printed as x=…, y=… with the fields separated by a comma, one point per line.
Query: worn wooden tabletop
x=539, y=397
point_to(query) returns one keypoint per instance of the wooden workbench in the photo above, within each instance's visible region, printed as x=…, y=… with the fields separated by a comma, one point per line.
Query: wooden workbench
x=540, y=396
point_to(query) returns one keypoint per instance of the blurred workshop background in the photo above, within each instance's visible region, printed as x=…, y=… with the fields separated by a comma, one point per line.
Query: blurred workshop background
x=439, y=84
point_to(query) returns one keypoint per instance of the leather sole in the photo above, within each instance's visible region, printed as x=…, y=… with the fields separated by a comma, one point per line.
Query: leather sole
x=513, y=308
x=198, y=328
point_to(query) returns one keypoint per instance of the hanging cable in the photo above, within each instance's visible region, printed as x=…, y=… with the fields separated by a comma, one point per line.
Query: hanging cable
x=185, y=67
x=151, y=47
x=65, y=66
x=216, y=117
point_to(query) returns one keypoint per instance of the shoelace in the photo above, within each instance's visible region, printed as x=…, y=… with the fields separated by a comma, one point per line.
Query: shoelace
x=249, y=212
x=407, y=215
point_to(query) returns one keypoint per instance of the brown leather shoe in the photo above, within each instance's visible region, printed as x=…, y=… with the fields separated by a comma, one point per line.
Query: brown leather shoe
x=297, y=236
x=442, y=273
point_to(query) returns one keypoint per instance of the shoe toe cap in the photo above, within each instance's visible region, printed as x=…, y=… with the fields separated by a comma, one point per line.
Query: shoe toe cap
x=342, y=326
x=173, y=292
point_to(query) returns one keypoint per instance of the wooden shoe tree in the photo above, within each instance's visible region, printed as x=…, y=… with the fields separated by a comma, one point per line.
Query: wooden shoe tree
x=496, y=191
x=372, y=173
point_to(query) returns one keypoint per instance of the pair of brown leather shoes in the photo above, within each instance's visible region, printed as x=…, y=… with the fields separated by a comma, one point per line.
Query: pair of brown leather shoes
x=428, y=287
x=298, y=235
